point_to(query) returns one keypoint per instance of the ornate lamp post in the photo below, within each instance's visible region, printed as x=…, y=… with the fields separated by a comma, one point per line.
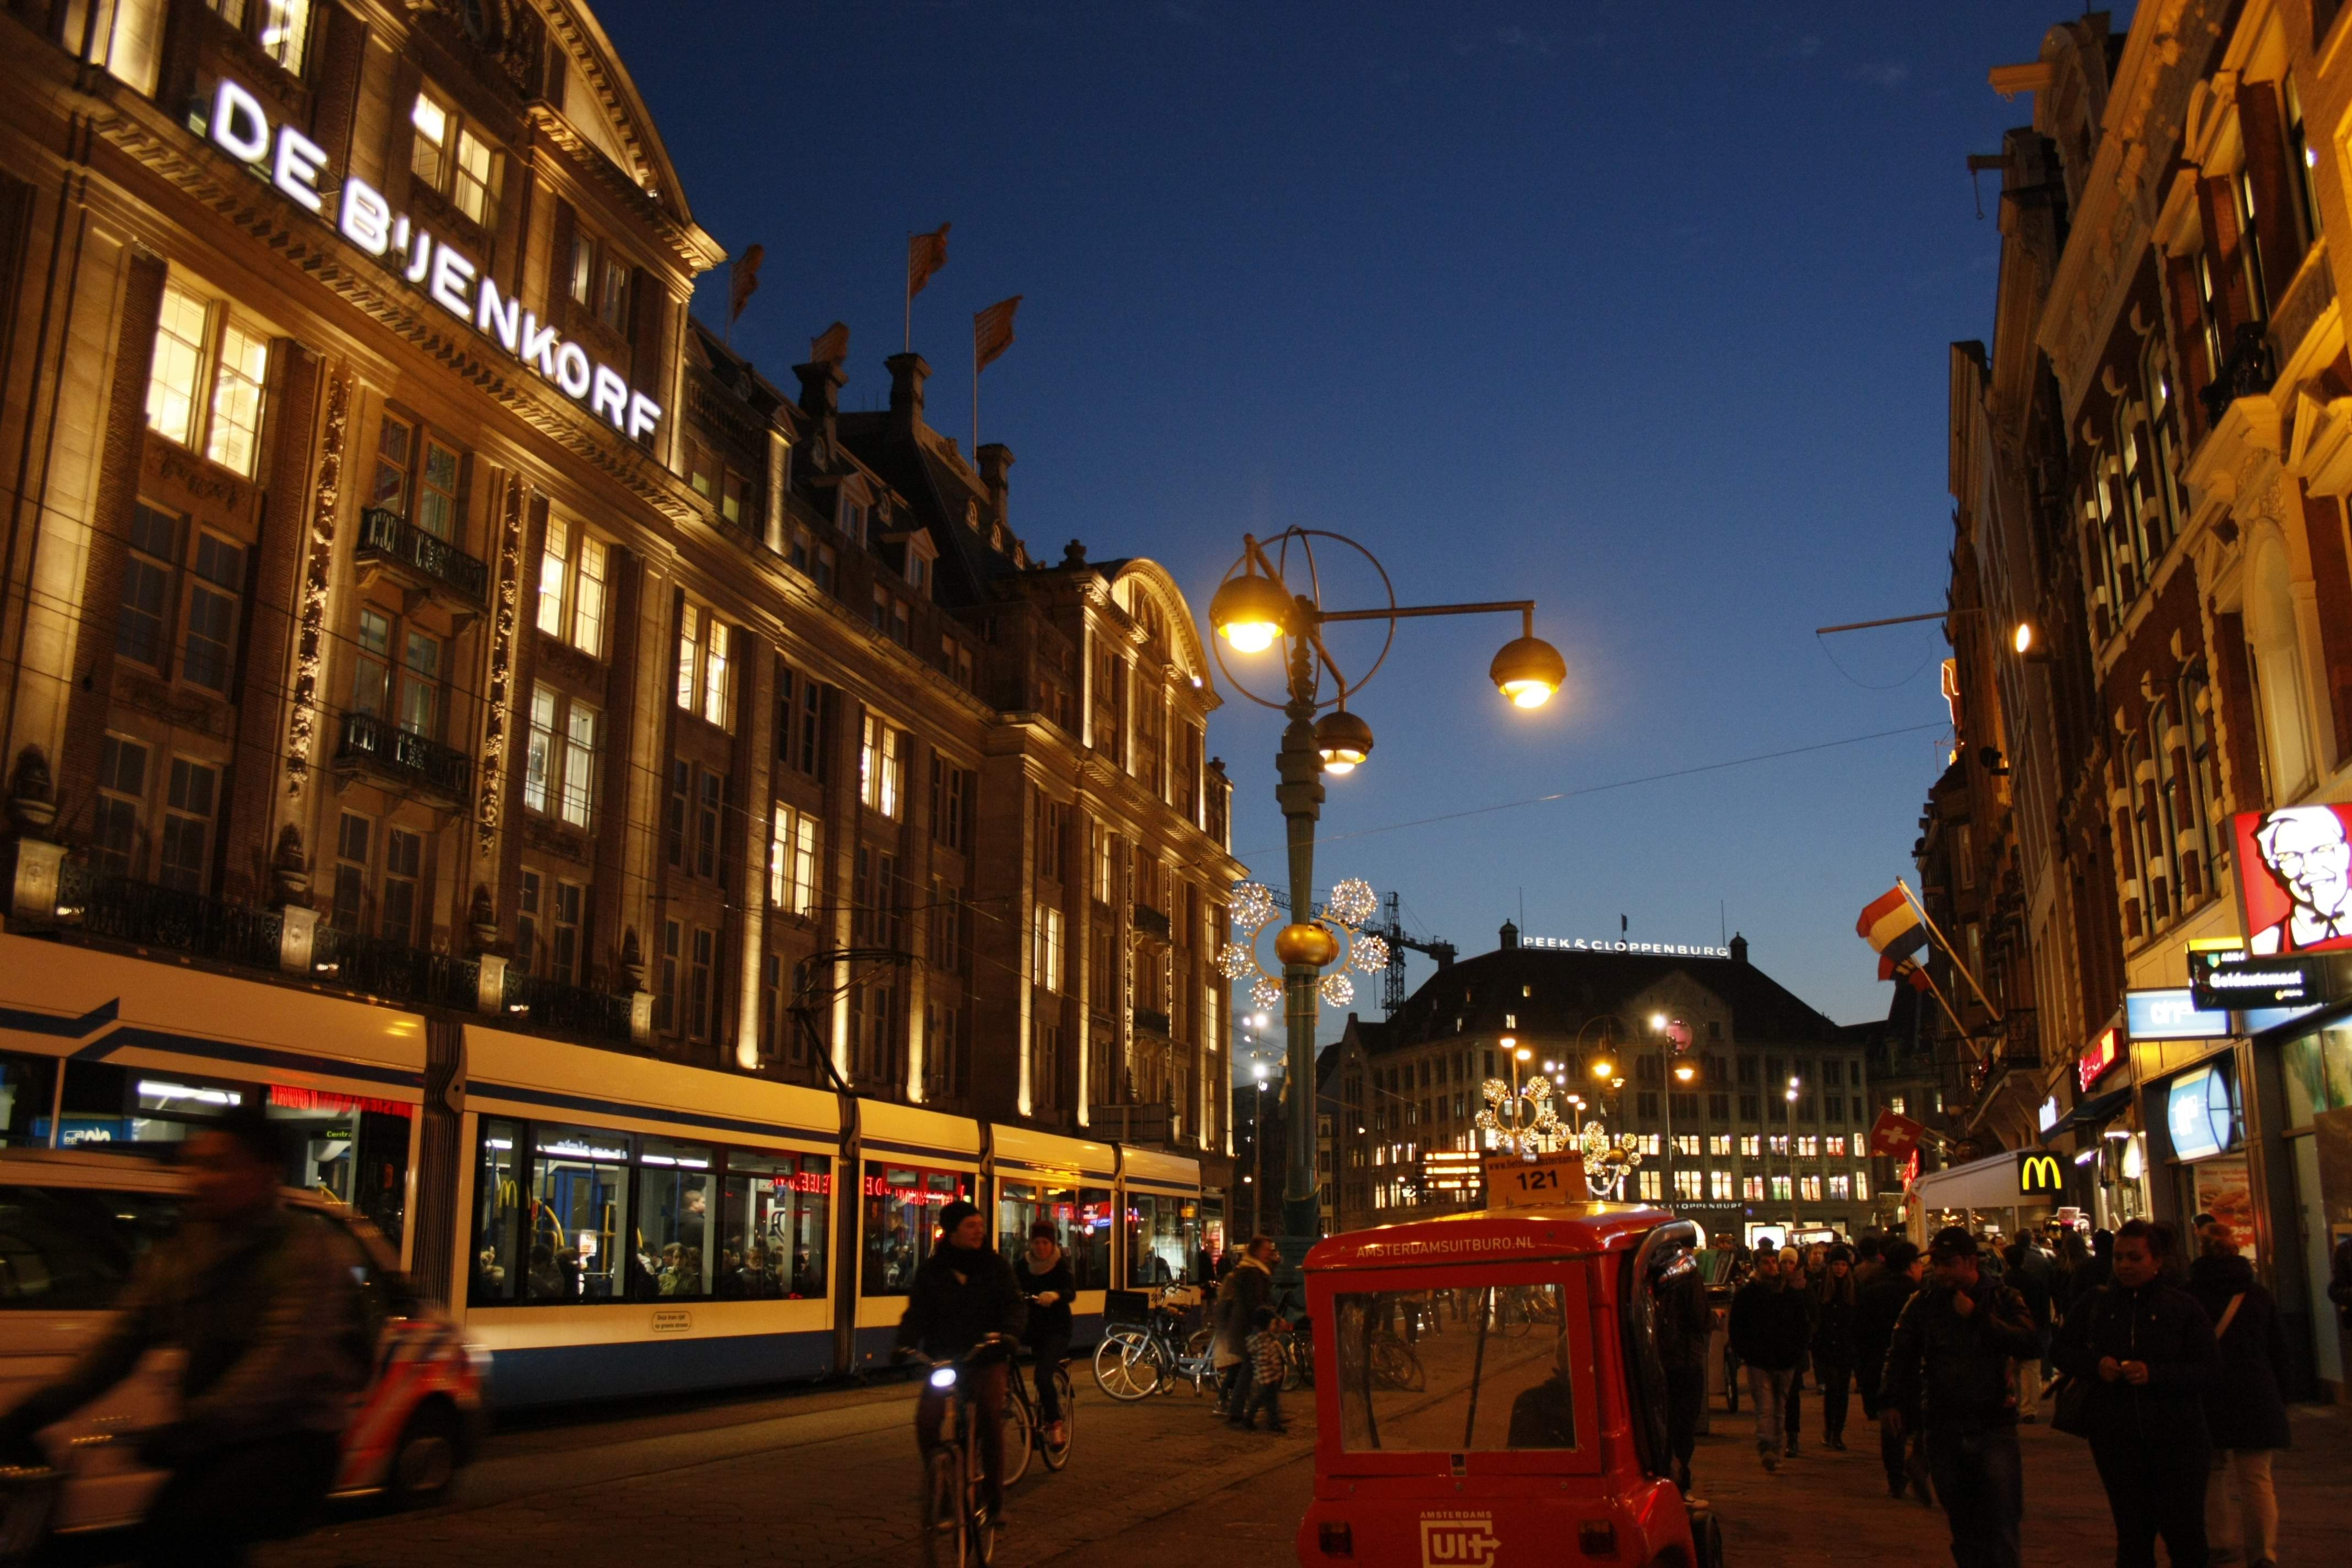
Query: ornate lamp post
x=1256, y=611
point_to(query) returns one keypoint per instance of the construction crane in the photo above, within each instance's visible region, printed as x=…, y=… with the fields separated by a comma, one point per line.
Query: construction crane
x=1391, y=930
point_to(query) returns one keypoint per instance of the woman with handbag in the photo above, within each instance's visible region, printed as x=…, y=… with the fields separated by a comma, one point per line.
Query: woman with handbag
x=2245, y=1407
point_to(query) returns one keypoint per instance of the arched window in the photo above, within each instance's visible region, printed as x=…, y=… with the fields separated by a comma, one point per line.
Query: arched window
x=2277, y=668
x=2166, y=810
x=2203, y=772
x=2163, y=424
x=2148, y=826
x=2120, y=506
x=2107, y=592
x=2123, y=807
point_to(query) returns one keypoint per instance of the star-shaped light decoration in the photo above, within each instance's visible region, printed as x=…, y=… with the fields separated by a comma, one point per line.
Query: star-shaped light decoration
x=1255, y=911
x=1607, y=1161
x=1522, y=1124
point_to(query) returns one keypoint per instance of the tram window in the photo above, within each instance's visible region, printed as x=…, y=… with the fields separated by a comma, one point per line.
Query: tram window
x=1020, y=1205
x=28, y=1089
x=672, y=1241
x=1503, y=1374
x=1089, y=1241
x=1158, y=1236
x=498, y=1216
x=774, y=1221
x=577, y=1225
x=901, y=1206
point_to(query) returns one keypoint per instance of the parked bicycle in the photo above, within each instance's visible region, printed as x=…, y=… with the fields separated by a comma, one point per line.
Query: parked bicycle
x=1024, y=1426
x=1135, y=1361
x=958, y=1530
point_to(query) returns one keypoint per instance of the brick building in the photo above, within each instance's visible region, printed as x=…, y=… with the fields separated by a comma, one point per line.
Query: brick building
x=405, y=595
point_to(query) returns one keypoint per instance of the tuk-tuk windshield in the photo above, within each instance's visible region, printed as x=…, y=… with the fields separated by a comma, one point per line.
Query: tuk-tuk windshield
x=1469, y=1369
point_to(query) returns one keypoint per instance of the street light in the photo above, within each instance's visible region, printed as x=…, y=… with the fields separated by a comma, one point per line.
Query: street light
x=1255, y=611
x=1791, y=1093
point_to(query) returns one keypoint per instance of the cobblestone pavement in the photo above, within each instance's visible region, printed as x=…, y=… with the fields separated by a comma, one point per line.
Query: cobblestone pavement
x=826, y=1478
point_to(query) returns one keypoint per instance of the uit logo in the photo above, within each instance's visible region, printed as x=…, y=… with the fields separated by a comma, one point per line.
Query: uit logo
x=1458, y=1541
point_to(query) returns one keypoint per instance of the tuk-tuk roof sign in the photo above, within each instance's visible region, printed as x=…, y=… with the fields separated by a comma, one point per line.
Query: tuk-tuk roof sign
x=1518, y=1235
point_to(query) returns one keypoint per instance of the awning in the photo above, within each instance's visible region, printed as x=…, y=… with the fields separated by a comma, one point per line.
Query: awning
x=1987, y=1183
x=2094, y=1111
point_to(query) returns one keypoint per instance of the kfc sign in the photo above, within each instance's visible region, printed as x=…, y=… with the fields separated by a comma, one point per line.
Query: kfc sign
x=2294, y=878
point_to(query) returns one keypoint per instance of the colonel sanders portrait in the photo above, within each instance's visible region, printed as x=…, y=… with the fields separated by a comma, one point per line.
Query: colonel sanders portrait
x=2304, y=849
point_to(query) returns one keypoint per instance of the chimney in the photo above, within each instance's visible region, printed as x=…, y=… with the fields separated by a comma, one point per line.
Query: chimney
x=995, y=461
x=1511, y=936
x=1738, y=948
x=1074, y=554
x=908, y=373
x=821, y=385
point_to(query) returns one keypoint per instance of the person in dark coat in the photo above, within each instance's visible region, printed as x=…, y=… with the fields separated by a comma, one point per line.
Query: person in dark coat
x=2144, y=1351
x=1047, y=1285
x=1876, y=1308
x=2033, y=1278
x=1685, y=1328
x=1797, y=1273
x=1949, y=1361
x=2095, y=1271
x=1834, y=1300
x=963, y=1294
x=1768, y=1328
x=2245, y=1407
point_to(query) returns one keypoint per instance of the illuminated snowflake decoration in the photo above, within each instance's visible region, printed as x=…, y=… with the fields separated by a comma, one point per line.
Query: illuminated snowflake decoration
x=1233, y=960
x=1367, y=954
x=1338, y=990
x=1253, y=906
x=1607, y=1161
x=1524, y=1123
x=1352, y=902
x=1266, y=993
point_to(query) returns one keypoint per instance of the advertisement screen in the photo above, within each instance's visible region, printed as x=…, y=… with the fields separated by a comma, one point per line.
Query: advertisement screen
x=2201, y=1113
x=2294, y=875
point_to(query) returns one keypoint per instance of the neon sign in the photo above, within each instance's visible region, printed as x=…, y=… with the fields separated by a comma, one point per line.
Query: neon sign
x=293, y=163
x=1615, y=945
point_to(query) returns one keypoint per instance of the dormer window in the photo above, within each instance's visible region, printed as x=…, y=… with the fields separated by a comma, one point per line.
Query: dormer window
x=452, y=160
x=853, y=519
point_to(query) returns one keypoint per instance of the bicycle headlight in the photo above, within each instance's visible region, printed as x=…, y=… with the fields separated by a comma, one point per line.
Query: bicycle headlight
x=943, y=1377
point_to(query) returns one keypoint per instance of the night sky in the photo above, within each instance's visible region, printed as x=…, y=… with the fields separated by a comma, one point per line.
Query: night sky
x=1640, y=311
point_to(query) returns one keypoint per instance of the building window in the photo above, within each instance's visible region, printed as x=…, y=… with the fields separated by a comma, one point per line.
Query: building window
x=565, y=963
x=800, y=722
x=1046, y=957
x=451, y=160
x=560, y=766
x=1782, y=1189
x=282, y=27
x=881, y=765
x=526, y=916
x=1836, y=1145
x=703, y=644
x=1809, y=1188
x=204, y=390
x=1688, y=1185
x=600, y=280
x=1653, y=1186
x=1841, y=1188
x=417, y=476
x=1809, y=1147
x=354, y=855
x=1861, y=1186
x=188, y=806
x=792, y=862
x=1719, y=1143
x=948, y=923
x=121, y=801
x=573, y=571
x=710, y=794
x=1718, y=1185
x=665, y=976
x=2302, y=160
x=702, y=975
x=1752, y=1188
x=951, y=801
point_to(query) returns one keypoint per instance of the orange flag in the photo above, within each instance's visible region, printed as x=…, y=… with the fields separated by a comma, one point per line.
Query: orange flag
x=830, y=346
x=992, y=332
x=926, y=254
x=743, y=281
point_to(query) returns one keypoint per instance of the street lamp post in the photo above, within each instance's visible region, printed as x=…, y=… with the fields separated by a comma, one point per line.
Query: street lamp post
x=1253, y=611
x=1257, y=1198
x=1792, y=1158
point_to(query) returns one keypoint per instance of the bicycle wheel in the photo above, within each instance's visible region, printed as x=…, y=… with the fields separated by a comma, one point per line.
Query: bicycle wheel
x=1019, y=1431
x=946, y=1521
x=1395, y=1365
x=1127, y=1365
x=980, y=1530
x=1056, y=1455
x=1198, y=1342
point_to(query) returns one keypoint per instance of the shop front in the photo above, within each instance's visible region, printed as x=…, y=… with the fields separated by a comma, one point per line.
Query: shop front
x=2316, y=1071
x=2001, y=1196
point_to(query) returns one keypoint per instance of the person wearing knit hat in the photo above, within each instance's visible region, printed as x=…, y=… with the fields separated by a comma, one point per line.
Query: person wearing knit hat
x=963, y=1294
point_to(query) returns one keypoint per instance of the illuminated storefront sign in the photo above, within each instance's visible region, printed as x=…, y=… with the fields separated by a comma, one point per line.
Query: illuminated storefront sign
x=2039, y=1176
x=1618, y=945
x=2201, y=1112
x=2105, y=1052
x=2294, y=878
x=2171, y=1015
x=294, y=164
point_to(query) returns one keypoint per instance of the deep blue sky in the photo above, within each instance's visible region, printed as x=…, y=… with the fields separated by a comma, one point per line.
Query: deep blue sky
x=1638, y=309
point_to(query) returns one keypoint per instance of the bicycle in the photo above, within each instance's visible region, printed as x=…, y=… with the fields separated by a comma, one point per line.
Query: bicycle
x=1134, y=1362
x=958, y=1529
x=29, y=1493
x=1021, y=1411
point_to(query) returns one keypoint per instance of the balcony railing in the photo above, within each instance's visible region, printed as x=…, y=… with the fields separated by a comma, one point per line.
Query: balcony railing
x=543, y=1004
x=371, y=739
x=2248, y=371
x=1152, y=922
x=384, y=536
x=1150, y=1023
x=394, y=971
x=122, y=909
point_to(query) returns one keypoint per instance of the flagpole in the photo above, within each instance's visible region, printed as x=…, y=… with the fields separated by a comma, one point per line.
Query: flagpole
x=974, y=453
x=909, y=346
x=1958, y=962
x=1937, y=991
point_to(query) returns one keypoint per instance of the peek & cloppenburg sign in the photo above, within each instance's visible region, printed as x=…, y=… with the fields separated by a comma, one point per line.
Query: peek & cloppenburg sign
x=291, y=161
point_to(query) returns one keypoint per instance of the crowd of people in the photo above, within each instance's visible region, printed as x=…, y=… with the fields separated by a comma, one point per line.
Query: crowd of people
x=2172, y=1367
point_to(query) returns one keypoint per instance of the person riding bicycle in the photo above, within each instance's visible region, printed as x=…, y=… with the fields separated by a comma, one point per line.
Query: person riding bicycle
x=1048, y=1283
x=264, y=1307
x=963, y=1294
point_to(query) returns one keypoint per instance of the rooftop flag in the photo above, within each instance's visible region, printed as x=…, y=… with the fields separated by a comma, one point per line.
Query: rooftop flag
x=926, y=254
x=743, y=281
x=992, y=332
x=830, y=346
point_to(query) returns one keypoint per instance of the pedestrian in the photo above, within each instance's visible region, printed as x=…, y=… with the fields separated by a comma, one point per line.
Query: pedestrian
x=1264, y=1353
x=1949, y=1361
x=272, y=1339
x=2072, y=1258
x=1876, y=1308
x=1796, y=1274
x=2032, y=1280
x=1685, y=1329
x=1249, y=1287
x=2245, y=1405
x=1046, y=1282
x=2144, y=1349
x=1767, y=1330
x=1832, y=1343
x=2091, y=1272
x=1866, y=1253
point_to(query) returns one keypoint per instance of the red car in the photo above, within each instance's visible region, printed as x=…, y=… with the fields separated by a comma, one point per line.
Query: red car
x=1490, y=1394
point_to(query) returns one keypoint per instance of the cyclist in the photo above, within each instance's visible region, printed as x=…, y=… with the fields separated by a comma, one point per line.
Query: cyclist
x=964, y=1293
x=275, y=1342
x=1047, y=1284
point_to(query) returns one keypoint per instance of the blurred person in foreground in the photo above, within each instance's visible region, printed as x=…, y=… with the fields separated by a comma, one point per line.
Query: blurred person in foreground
x=2245, y=1405
x=1950, y=1361
x=1876, y=1308
x=263, y=1304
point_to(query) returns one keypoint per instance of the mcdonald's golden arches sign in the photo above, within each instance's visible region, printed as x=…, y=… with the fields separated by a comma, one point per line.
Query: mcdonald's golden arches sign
x=2040, y=1175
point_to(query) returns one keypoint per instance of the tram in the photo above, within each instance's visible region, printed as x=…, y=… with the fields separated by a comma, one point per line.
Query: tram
x=616, y=1225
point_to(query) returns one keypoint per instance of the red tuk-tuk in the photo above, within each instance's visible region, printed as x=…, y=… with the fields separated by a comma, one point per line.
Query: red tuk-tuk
x=1491, y=1394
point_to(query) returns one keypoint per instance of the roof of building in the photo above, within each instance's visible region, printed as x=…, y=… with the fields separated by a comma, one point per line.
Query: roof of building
x=1556, y=991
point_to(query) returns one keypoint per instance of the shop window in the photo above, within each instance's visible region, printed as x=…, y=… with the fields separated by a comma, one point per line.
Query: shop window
x=901, y=1205
x=448, y=157
x=560, y=761
x=573, y=570
x=205, y=387
x=419, y=478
